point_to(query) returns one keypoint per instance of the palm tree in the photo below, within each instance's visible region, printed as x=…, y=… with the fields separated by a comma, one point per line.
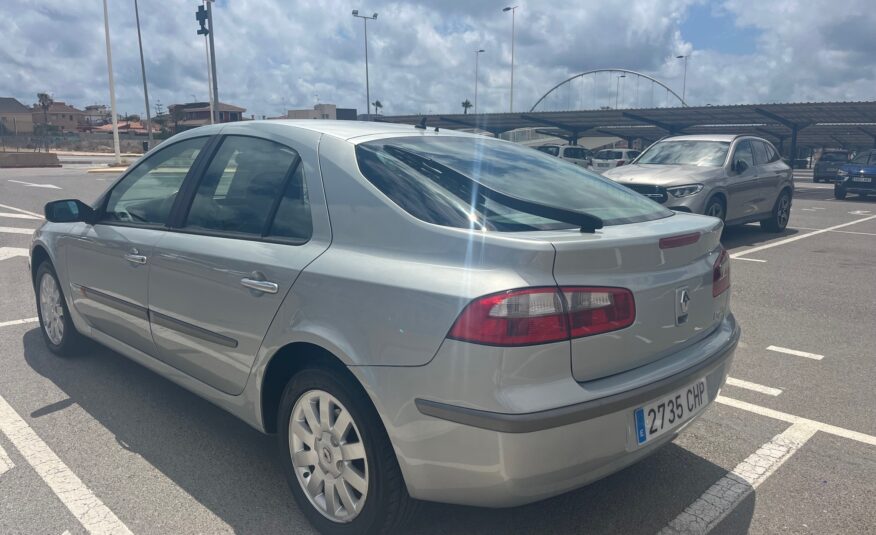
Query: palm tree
x=377, y=106
x=45, y=102
x=465, y=106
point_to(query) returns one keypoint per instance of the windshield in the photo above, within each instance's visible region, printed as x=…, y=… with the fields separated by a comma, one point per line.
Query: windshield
x=686, y=152
x=549, y=149
x=416, y=174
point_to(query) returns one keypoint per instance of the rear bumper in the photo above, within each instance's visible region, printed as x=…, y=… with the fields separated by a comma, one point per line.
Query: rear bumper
x=452, y=451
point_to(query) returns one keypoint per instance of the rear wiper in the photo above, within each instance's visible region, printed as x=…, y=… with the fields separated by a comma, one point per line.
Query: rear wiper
x=586, y=222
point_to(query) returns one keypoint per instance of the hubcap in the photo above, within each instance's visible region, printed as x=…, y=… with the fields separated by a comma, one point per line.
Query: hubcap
x=50, y=309
x=715, y=210
x=328, y=456
x=784, y=211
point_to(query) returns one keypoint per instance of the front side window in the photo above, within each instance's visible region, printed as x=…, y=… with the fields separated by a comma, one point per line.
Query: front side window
x=701, y=153
x=437, y=180
x=743, y=156
x=244, y=186
x=147, y=193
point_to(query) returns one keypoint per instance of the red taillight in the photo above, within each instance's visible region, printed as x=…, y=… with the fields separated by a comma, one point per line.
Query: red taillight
x=542, y=315
x=619, y=163
x=679, y=241
x=721, y=274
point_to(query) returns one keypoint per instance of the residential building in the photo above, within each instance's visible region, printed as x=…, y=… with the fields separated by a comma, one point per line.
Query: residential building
x=97, y=115
x=323, y=111
x=195, y=114
x=60, y=115
x=15, y=117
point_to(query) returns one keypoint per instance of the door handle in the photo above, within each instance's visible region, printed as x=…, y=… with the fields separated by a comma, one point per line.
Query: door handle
x=135, y=257
x=263, y=286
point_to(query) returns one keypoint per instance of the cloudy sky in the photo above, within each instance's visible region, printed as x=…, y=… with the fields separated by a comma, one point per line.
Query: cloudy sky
x=275, y=55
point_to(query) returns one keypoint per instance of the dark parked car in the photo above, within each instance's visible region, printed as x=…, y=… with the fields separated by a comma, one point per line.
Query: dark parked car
x=857, y=176
x=828, y=164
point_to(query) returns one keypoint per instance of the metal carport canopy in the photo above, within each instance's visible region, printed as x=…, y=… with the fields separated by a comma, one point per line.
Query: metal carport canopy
x=851, y=124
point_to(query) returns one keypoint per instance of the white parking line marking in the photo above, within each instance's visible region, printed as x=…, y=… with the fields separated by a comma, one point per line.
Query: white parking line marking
x=768, y=390
x=813, y=356
x=9, y=252
x=5, y=462
x=790, y=418
x=842, y=231
x=11, y=215
x=32, y=185
x=18, y=322
x=750, y=259
x=16, y=230
x=721, y=498
x=19, y=210
x=795, y=238
x=85, y=506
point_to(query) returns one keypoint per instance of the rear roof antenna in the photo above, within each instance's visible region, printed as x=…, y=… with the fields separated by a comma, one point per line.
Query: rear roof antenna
x=422, y=125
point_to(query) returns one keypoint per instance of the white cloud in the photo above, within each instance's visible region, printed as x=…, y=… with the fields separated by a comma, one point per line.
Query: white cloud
x=276, y=54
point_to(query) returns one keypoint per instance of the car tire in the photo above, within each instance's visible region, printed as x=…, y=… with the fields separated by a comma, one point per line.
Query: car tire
x=385, y=506
x=716, y=208
x=839, y=193
x=780, y=214
x=57, y=327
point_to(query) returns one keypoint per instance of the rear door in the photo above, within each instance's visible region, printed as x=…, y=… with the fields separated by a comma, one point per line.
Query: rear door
x=742, y=182
x=108, y=262
x=769, y=175
x=218, y=278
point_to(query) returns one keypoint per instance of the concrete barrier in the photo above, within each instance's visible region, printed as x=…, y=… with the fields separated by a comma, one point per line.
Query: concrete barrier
x=29, y=159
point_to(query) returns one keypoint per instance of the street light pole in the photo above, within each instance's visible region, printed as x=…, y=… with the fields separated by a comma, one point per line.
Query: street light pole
x=513, y=10
x=478, y=53
x=684, y=83
x=216, y=111
x=112, y=85
x=617, y=89
x=143, y=71
x=365, y=19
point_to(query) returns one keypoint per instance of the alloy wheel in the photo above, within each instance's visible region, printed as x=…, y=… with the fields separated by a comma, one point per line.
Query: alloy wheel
x=783, y=214
x=51, y=309
x=715, y=210
x=328, y=456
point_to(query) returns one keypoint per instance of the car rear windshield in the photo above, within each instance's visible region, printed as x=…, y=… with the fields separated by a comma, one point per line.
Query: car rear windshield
x=609, y=155
x=686, y=152
x=423, y=175
x=834, y=157
x=553, y=151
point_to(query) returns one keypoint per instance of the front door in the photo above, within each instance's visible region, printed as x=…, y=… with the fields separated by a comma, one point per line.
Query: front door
x=108, y=262
x=218, y=280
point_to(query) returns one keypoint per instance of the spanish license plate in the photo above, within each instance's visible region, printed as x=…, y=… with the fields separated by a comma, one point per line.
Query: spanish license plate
x=602, y=165
x=862, y=179
x=665, y=414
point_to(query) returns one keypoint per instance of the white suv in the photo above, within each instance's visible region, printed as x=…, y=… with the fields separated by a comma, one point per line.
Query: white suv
x=572, y=153
x=610, y=158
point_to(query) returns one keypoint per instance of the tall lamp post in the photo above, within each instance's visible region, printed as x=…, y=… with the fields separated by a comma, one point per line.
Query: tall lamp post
x=617, y=89
x=684, y=83
x=478, y=53
x=365, y=19
x=512, y=9
x=112, y=85
x=143, y=71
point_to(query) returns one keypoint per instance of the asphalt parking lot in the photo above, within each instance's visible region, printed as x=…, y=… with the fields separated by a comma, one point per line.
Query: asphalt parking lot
x=99, y=444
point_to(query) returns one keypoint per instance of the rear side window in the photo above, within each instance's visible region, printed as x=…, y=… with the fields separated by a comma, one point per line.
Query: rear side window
x=247, y=182
x=771, y=153
x=431, y=178
x=574, y=152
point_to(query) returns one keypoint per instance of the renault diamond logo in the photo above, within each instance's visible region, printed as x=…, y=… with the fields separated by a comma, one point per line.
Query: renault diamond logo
x=682, y=303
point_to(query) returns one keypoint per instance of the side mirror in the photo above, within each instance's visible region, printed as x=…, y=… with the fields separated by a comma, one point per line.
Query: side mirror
x=69, y=211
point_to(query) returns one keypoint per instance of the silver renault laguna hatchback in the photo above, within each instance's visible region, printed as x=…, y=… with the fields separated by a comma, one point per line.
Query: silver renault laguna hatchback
x=417, y=315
